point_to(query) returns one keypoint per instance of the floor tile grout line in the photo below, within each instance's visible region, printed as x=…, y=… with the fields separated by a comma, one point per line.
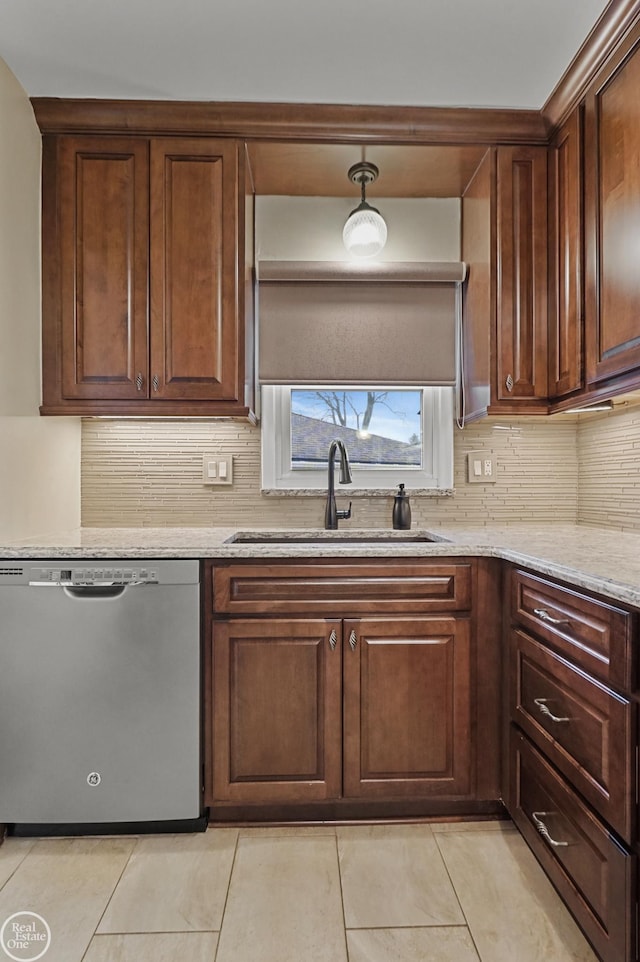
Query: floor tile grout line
x=26, y=854
x=107, y=935
x=226, y=897
x=386, y=928
x=344, y=918
x=136, y=842
x=464, y=914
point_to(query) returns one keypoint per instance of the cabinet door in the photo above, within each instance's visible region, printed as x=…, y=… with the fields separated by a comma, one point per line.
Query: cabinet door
x=521, y=355
x=276, y=710
x=194, y=269
x=407, y=707
x=612, y=212
x=103, y=223
x=566, y=245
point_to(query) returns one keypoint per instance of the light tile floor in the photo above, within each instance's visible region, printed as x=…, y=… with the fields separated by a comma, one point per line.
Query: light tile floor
x=447, y=892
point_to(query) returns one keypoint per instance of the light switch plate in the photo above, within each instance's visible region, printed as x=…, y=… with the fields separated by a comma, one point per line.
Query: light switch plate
x=481, y=467
x=217, y=469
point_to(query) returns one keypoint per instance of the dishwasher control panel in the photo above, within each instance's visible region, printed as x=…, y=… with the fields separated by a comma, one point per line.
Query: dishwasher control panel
x=98, y=572
x=147, y=574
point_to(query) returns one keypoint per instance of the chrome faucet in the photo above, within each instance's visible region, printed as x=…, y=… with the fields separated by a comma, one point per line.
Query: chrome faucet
x=331, y=514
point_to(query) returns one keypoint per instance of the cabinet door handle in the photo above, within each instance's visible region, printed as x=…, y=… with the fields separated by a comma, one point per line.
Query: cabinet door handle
x=353, y=640
x=139, y=381
x=544, y=615
x=156, y=382
x=333, y=639
x=544, y=831
x=545, y=710
x=509, y=383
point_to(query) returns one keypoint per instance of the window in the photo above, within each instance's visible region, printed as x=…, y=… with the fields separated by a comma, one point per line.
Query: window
x=392, y=435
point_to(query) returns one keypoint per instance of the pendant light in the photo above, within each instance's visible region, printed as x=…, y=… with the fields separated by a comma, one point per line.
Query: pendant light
x=365, y=232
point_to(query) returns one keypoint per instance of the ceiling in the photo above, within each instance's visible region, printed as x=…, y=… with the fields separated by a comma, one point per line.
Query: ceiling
x=480, y=53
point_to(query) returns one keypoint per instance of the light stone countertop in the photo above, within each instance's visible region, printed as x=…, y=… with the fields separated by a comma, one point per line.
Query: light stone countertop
x=599, y=559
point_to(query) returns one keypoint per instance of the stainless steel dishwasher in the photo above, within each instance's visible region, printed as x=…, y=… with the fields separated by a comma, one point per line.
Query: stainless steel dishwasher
x=99, y=693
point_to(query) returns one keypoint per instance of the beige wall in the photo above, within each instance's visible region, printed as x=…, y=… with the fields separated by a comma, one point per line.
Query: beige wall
x=39, y=458
x=150, y=473
x=310, y=228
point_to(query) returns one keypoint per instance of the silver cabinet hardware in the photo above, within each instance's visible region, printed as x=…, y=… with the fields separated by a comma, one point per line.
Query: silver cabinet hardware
x=509, y=383
x=546, y=711
x=139, y=381
x=353, y=640
x=544, y=831
x=544, y=615
x=156, y=382
x=333, y=639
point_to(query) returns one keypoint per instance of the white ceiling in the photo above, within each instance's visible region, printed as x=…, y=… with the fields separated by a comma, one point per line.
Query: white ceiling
x=481, y=53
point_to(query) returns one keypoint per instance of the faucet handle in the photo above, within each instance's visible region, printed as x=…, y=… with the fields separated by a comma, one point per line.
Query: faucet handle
x=344, y=515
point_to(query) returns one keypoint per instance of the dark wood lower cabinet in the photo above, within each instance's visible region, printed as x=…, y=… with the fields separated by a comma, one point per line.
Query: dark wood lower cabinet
x=285, y=690
x=407, y=707
x=277, y=714
x=592, y=871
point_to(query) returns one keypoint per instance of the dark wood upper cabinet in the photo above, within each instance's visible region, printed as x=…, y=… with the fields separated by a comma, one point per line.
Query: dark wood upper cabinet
x=612, y=216
x=504, y=242
x=194, y=294
x=104, y=212
x=566, y=317
x=521, y=338
x=144, y=267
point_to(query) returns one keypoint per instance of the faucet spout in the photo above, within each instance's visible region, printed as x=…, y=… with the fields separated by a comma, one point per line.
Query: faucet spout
x=331, y=513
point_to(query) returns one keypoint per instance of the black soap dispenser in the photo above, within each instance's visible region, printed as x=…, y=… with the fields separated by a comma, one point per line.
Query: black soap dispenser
x=401, y=515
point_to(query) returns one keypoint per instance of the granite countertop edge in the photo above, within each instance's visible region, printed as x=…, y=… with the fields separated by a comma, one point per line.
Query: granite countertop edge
x=604, y=561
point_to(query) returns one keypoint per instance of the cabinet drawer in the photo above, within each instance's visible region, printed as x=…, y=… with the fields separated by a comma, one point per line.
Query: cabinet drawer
x=370, y=588
x=584, y=728
x=594, y=634
x=590, y=869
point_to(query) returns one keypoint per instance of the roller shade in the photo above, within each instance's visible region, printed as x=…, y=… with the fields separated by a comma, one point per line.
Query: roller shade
x=336, y=323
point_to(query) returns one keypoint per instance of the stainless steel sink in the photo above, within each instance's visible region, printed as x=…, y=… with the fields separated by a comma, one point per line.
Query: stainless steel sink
x=322, y=538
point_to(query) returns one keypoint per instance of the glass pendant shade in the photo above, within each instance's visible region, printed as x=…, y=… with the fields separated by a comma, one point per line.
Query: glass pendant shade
x=365, y=232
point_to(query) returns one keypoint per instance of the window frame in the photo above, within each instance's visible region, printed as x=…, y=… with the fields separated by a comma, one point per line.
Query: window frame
x=436, y=473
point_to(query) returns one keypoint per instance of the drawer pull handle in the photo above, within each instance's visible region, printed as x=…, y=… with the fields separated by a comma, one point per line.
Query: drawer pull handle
x=544, y=615
x=353, y=640
x=542, y=705
x=544, y=831
x=333, y=640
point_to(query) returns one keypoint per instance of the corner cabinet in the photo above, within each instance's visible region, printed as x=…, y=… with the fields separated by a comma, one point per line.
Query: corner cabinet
x=612, y=210
x=351, y=686
x=146, y=276
x=566, y=240
x=504, y=242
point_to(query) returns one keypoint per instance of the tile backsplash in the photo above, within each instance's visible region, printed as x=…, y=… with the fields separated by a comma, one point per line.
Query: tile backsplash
x=149, y=473
x=609, y=459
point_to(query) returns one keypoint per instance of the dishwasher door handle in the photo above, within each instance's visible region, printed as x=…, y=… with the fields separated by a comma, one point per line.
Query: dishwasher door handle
x=106, y=592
